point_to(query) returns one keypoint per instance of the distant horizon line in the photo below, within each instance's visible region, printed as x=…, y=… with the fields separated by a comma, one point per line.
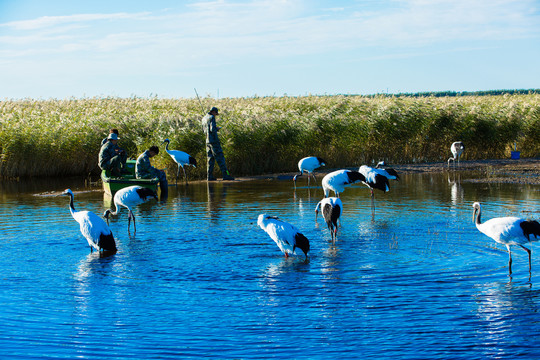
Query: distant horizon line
x=445, y=93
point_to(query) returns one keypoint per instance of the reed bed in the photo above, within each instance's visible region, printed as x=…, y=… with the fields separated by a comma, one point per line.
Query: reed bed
x=266, y=134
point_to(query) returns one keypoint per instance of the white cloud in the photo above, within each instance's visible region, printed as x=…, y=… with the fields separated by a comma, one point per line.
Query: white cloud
x=51, y=21
x=209, y=34
x=281, y=28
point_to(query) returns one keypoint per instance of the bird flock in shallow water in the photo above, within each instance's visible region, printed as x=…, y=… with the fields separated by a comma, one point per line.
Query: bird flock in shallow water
x=504, y=230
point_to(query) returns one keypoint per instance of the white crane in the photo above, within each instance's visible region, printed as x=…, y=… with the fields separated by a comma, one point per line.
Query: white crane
x=386, y=171
x=129, y=197
x=374, y=180
x=456, y=149
x=507, y=231
x=181, y=158
x=331, y=208
x=93, y=228
x=337, y=180
x=287, y=237
x=377, y=178
x=308, y=165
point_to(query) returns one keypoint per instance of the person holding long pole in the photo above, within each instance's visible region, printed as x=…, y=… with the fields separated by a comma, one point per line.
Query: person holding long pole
x=214, y=152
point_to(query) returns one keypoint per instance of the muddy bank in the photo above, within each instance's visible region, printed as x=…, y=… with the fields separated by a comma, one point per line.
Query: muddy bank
x=523, y=171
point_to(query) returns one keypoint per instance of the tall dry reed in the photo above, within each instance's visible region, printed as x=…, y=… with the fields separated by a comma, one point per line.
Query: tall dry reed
x=266, y=134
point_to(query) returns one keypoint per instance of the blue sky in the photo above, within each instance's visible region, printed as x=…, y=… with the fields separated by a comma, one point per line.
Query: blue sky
x=63, y=49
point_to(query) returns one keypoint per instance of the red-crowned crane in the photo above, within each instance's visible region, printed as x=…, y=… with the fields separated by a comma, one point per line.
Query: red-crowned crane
x=93, y=228
x=308, y=165
x=386, y=171
x=181, y=158
x=287, y=237
x=507, y=231
x=456, y=149
x=129, y=197
x=377, y=178
x=331, y=209
x=337, y=180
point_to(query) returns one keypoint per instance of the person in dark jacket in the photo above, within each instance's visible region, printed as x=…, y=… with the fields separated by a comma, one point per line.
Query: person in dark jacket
x=111, y=156
x=111, y=131
x=144, y=170
x=214, y=152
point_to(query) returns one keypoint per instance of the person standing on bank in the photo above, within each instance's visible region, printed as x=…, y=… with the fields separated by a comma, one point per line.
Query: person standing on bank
x=111, y=156
x=144, y=170
x=214, y=152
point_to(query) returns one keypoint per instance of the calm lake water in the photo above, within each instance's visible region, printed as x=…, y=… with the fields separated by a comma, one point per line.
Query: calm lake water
x=413, y=279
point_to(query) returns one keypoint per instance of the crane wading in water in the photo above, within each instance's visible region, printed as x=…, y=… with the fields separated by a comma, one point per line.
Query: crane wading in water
x=337, y=180
x=214, y=152
x=507, y=231
x=456, y=149
x=378, y=177
x=308, y=164
x=331, y=208
x=287, y=237
x=93, y=228
x=181, y=159
x=129, y=197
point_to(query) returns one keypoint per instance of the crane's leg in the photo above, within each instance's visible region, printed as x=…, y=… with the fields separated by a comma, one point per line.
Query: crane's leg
x=314, y=178
x=509, y=260
x=129, y=219
x=185, y=177
x=308, y=179
x=134, y=227
x=297, y=176
x=177, y=175
x=528, y=252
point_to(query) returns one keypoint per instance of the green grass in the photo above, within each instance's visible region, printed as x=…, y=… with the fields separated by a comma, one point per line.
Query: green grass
x=266, y=134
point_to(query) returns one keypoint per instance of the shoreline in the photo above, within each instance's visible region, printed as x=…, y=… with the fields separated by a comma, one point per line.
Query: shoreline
x=522, y=171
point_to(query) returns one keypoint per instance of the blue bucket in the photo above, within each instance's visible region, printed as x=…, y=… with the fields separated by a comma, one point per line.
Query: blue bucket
x=514, y=155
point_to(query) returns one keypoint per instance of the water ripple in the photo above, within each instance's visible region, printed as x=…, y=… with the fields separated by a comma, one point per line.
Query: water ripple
x=412, y=278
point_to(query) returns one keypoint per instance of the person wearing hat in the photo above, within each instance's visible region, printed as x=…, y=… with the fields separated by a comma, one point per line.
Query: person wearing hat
x=144, y=170
x=111, y=131
x=214, y=152
x=111, y=156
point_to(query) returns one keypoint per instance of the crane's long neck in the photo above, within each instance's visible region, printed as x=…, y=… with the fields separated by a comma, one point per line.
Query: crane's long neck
x=477, y=214
x=116, y=209
x=72, y=206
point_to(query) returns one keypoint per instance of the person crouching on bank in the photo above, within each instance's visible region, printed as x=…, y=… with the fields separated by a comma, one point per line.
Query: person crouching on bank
x=144, y=170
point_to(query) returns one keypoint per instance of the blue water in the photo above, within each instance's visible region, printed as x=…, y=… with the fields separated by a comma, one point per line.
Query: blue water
x=412, y=279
